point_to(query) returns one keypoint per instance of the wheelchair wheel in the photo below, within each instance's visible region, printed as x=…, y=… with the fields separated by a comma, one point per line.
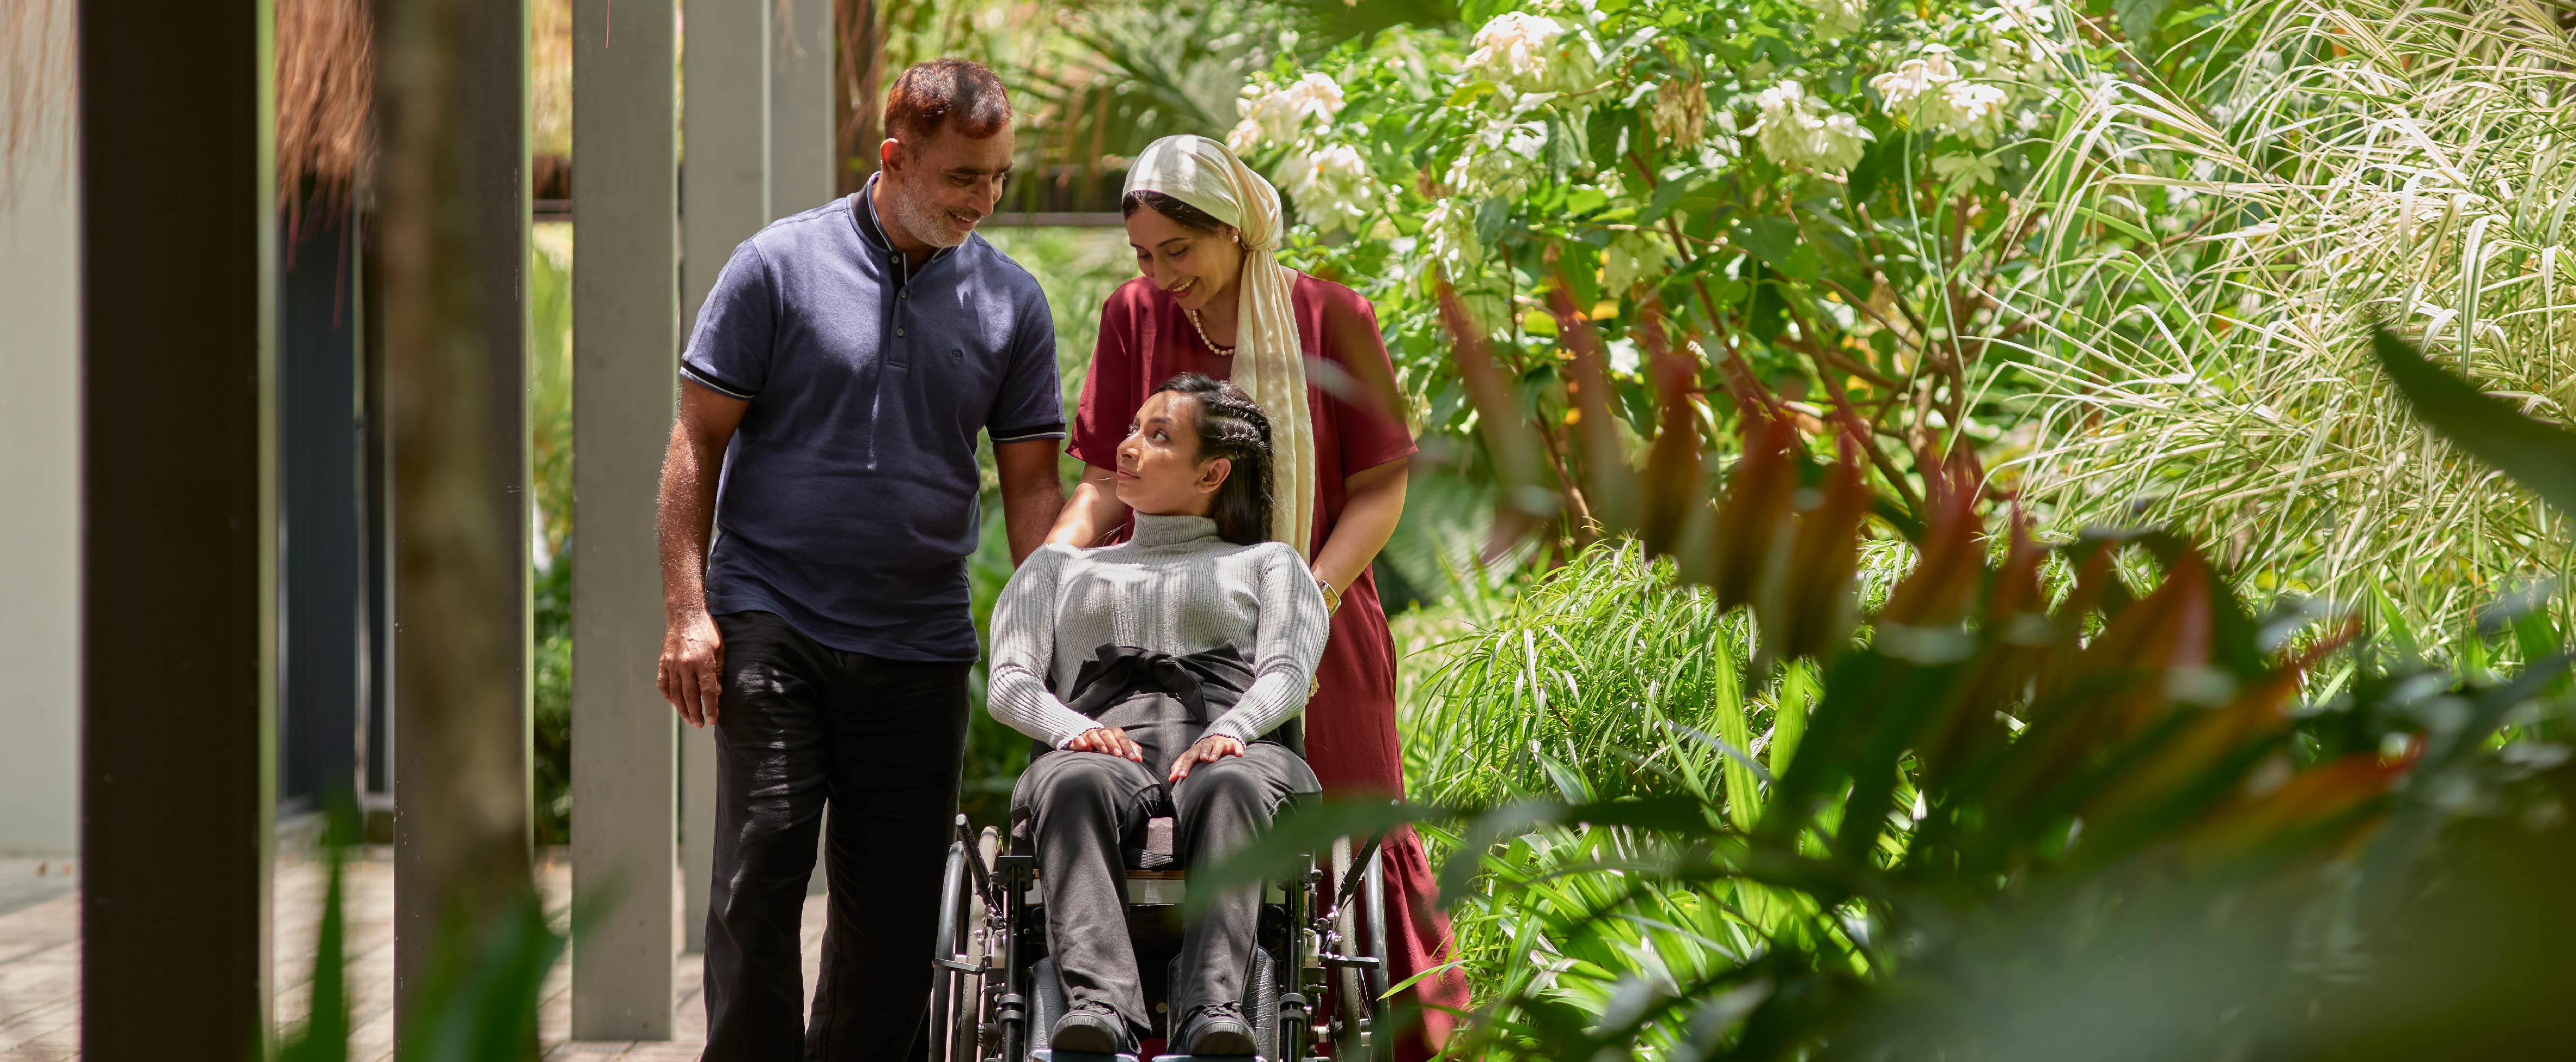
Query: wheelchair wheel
x=957, y=967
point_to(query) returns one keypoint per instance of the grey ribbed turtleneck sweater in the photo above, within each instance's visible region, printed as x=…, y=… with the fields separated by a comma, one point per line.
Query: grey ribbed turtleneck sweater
x=1174, y=588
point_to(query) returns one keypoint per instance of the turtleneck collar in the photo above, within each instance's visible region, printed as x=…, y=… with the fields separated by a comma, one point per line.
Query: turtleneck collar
x=1153, y=531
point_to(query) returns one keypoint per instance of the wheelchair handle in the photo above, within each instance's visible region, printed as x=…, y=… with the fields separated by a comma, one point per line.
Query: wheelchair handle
x=974, y=858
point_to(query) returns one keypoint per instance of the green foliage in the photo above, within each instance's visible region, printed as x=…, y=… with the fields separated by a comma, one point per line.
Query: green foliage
x=2022, y=822
x=1753, y=201
x=2222, y=228
x=1598, y=658
x=480, y=998
x=550, y=573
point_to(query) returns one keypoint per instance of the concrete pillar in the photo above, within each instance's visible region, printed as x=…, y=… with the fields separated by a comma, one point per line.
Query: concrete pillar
x=626, y=310
x=725, y=178
x=801, y=141
x=451, y=103
x=800, y=107
x=178, y=534
x=40, y=457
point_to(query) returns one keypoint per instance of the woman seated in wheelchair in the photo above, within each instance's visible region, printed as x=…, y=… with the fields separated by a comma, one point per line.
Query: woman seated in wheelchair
x=1156, y=671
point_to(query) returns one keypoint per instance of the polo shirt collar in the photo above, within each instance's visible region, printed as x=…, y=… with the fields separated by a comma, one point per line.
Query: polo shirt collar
x=874, y=231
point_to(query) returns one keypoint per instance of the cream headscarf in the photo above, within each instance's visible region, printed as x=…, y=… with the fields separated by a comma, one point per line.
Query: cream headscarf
x=1268, y=362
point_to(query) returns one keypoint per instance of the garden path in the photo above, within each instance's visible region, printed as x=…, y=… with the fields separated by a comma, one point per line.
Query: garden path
x=40, y=962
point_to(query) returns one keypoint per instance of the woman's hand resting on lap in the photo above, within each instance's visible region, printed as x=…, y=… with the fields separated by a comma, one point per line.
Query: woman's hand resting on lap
x=1108, y=739
x=1208, y=749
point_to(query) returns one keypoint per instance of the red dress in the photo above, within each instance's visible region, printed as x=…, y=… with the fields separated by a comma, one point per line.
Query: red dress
x=1145, y=338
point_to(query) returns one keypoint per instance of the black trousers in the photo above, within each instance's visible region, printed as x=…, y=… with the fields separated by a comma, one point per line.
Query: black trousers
x=1084, y=805
x=798, y=725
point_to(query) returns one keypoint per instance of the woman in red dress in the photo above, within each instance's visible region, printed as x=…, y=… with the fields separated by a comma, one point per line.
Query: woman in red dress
x=1214, y=299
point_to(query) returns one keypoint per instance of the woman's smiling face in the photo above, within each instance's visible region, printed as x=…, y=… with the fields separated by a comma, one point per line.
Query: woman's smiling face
x=1196, y=268
x=1159, y=471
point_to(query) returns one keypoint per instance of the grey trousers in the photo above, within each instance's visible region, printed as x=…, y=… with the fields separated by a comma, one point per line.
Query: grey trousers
x=1083, y=805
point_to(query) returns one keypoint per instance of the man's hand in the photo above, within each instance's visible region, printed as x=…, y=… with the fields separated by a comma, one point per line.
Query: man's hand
x=1208, y=749
x=1108, y=739
x=692, y=651
x=692, y=660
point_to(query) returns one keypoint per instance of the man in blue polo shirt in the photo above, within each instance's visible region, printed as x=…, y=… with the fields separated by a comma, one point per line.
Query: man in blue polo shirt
x=841, y=369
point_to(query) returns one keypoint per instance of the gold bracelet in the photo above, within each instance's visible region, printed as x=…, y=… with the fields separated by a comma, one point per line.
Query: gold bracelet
x=1332, y=597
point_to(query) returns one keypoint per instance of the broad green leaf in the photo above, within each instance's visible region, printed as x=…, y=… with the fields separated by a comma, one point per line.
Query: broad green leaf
x=1778, y=242
x=2539, y=456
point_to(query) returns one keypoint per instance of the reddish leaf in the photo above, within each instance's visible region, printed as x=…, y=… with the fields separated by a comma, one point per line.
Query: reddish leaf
x=1807, y=601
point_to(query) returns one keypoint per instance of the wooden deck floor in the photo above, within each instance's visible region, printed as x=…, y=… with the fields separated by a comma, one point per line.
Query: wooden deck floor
x=40, y=964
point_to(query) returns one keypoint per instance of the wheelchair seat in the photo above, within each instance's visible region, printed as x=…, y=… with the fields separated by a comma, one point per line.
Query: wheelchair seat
x=1154, y=877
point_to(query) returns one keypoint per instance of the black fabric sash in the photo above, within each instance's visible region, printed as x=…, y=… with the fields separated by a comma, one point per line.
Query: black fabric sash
x=1119, y=684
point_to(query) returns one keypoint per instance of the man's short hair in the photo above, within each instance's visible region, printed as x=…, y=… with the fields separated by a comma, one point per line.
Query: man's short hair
x=946, y=94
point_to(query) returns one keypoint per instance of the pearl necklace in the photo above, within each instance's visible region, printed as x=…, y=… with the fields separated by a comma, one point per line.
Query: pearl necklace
x=1222, y=352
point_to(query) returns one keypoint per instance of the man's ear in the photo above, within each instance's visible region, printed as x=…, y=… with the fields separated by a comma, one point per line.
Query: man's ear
x=890, y=154
x=1212, y=473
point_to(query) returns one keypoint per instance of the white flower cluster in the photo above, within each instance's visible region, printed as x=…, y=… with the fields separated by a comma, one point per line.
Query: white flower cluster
x=1332, y=187
x=2020, y=38
x=1529, y=53
x=1497, y=160
x=1798, y=129
x=1928, y=91
x=1837, y=18
x=1328, y=180
x=2030, y=15
x=1278, y=116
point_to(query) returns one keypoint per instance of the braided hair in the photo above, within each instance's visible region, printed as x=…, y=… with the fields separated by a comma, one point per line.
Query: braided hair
x=1230, y=425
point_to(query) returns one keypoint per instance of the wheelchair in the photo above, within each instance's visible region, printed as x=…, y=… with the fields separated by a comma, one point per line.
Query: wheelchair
x=1318, y=985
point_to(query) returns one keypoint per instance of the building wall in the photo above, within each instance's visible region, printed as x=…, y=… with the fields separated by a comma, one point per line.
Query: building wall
x=39, y=490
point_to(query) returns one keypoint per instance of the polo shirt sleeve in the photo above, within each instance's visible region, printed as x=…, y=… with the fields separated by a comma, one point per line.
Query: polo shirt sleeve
x=1372, y=420
x=1030, y=402
x=729, y=353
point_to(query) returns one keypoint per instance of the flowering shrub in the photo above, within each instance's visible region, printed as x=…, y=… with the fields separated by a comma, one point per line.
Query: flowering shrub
x=1810, y=204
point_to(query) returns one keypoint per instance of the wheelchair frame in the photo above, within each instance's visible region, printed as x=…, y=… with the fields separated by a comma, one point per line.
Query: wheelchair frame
x=988, y=946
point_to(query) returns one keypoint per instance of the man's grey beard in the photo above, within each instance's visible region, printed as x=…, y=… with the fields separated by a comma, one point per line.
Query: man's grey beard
x=926, y=222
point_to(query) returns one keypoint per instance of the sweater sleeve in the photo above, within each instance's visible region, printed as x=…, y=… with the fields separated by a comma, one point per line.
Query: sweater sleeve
x=1024, y=653
x=1288, y=642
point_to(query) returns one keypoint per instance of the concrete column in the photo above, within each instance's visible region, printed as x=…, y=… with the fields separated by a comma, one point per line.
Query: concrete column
x=40, y=459
x=801, y=156
x=626, y=308
x=724, y=176
x=178, y=531
x=451, y=103
x=800, y=107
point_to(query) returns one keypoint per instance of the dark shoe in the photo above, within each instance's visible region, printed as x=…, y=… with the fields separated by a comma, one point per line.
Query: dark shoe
x=1091, y=1028
x=1218, y=1030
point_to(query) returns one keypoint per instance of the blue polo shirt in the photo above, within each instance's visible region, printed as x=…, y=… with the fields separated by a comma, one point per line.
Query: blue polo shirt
x=848, y=500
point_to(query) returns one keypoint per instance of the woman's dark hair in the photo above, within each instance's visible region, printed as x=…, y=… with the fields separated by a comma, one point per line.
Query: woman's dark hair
x=1187, y=216
x=1230, y=425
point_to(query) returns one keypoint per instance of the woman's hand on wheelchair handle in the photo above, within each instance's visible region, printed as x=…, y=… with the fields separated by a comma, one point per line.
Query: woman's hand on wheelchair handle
x=1208, y=749
x=1107, y=739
